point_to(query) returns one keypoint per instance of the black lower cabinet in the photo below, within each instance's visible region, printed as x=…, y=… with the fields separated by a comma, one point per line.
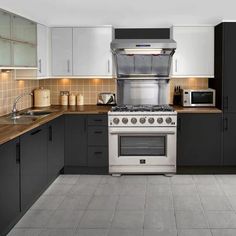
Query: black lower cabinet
x=10, y=184
x=229, y=141
x=33, y=152
x=199, y=139
x=55, y=158
x=76, y=140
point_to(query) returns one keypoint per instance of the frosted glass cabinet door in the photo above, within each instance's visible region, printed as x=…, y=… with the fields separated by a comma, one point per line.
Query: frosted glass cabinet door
x=5, y=49
x=23, y=30
x=24, y=55
x=5, y=25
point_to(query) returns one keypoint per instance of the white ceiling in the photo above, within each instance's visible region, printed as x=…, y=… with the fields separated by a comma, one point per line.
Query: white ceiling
x=123, y=13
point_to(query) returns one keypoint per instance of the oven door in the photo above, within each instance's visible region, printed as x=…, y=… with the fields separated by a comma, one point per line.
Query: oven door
x=142, y=146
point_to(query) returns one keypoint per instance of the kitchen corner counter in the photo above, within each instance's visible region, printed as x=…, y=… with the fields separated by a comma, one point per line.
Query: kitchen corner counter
x=11, y=131
x=180, y=109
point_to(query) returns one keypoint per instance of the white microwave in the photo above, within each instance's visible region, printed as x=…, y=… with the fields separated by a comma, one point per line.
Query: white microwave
x=198, y=97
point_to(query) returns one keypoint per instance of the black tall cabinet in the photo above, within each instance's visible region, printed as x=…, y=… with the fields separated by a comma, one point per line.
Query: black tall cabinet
x=225, y=84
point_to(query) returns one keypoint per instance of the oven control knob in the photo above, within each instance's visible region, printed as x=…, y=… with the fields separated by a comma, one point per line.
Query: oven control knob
x=142, y=120
x=159, y=120
x=133, y=120
x=116, y=121
x=125, y=120
x=151, y=120
x=168, y=120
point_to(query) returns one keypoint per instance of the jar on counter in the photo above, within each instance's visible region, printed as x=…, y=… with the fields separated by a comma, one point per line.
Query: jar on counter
x=72, y=100
x=64, y=100
x=80, y=99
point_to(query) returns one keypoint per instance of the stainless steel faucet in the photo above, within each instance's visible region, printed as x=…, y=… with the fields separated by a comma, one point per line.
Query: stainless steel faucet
x=14, y=110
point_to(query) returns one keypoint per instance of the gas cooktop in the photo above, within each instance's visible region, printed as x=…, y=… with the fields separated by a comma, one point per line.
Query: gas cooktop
x=143, y=108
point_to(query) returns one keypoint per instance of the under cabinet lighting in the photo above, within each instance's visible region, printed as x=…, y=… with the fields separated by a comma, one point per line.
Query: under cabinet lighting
x=143, y=51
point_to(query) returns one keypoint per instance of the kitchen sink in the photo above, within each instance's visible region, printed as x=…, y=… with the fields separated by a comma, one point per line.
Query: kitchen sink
x=26, y=117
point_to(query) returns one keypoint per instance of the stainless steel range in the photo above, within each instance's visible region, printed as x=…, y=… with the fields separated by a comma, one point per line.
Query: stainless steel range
x=142, y=139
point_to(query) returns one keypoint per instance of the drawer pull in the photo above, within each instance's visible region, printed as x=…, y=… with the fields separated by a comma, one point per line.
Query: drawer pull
x=97, y=153
x=98, y=132
x=98, y=120
x=35, y=132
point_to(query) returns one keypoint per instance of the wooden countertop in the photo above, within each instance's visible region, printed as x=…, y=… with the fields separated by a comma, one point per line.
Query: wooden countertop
x=11, y=131
x=180, y=109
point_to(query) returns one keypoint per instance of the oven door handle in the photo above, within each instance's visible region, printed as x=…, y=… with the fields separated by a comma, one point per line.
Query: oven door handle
x=138, y=132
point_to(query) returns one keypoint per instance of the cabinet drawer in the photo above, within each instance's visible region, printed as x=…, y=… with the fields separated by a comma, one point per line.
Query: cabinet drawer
x=97, y=156
x=97, y=136
x=97, y=120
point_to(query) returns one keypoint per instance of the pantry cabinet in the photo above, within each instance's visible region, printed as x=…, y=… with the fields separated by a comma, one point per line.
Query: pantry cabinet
x=194, y=56
x=91, y=51
x=62, y=51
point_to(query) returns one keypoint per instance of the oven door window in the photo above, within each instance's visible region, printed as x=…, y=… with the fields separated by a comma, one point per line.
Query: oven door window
x=142, y=145
x=202, y=97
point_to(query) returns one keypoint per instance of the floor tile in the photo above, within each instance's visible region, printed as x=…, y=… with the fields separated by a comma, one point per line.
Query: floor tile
x=229, y=189
x=215, y=203
x=209, y=189
x=48, y=202
x=67, y=179
x=108, y=179
x=58, y=232
x=134, y=179
x=135, y=202
x=159, y=190
x=25, y=232
x=35, y=219
x=92, y=232
x=226, y=179
x=82, y=189
x=232, y=201
x=159, y=203
x=96, y=219
x=194, y=232
x=58, y=189
x=158, y=179
x=221, y=219
x=89, y=179
x=103, y=203
x=65, y=219
x=160, y=232
x=75, y=202
x=181, y=179
x=184, y=189
x=126, y=232
x=187, y=203
x=191, y=220
x=223, y=232
x=128, y=220
x=133, y=189
x=204, y=179
x=159, y=220
x=108, y=189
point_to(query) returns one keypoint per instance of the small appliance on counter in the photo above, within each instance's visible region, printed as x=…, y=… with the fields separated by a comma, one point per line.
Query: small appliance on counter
x=42, y=97
x=198, y=97
x=106, y=99
x=177, y=96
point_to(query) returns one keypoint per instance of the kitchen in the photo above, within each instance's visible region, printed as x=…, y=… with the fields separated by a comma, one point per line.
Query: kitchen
x=158, y=159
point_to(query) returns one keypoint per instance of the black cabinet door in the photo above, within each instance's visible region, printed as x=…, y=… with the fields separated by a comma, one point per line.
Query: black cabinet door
x=97, y=156
x=33, y=165
x=9, y=182
x=199, y=139
x=229, y=57
x=76, y=140
x=55, y=147
x=97, y=136
x=229, y=141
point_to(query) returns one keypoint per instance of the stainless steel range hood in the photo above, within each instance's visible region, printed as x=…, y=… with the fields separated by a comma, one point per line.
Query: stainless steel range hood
x=141, y=58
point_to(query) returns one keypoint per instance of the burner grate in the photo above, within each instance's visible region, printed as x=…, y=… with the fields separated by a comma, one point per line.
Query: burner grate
x=142, y=108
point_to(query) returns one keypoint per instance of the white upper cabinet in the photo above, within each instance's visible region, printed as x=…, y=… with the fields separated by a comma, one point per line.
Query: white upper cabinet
x=61, y=51
x=5, y=25
x=194, y=56
x=91, y=51
x=42, y=50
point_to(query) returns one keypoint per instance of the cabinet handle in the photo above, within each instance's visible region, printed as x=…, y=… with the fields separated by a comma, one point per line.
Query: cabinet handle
x=226, y=103
x=18, y=153
x=68, y=66
x=176, y=65
x=35, y=132
x=98, y=132
x=226, y=124
x=50, y=133
x=97, y=153
x=98, y=120
x=40, y=66
x=108, y=66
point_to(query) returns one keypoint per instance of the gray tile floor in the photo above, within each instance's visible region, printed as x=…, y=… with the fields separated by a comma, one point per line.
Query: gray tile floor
x=94, y=205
